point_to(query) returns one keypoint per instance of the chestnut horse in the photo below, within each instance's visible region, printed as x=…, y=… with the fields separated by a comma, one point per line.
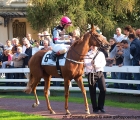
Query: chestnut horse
x=73, y=68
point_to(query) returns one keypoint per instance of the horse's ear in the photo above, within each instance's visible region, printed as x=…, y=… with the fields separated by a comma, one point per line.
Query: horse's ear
x=93, y=29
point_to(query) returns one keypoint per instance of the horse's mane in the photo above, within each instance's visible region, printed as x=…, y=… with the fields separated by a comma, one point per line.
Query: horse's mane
x=77, y=41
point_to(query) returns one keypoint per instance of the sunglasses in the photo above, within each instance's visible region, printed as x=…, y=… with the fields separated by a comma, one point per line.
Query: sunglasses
x=117, y=46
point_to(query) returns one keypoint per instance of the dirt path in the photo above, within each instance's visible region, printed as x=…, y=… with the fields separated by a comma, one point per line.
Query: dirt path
x=76, y=109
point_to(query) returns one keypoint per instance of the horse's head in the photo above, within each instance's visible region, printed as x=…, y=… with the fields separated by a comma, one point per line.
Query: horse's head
x=97, y=39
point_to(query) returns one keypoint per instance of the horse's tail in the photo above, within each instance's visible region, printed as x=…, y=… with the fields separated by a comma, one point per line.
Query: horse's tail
x=28, y=88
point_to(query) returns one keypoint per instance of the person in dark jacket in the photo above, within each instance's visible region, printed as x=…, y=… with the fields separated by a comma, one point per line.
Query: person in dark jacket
x=135, y=52
x=29, y=37
x=28, y=53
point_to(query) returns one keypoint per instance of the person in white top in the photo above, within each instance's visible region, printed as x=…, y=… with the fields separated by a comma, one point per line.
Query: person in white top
x=8, y=45
x=96, y=66
x=118, y=36
x=37, y=47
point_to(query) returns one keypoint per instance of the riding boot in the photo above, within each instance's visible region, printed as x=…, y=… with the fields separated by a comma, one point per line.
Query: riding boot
x=53, y=56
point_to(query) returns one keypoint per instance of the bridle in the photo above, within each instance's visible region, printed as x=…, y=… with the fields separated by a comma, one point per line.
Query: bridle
x=88, y=56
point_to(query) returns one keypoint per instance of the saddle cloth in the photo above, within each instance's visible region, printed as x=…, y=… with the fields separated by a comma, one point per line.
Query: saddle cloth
x=48, y=61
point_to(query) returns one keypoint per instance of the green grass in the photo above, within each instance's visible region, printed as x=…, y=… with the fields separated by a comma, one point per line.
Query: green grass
x=12, y=115
x=78, y=100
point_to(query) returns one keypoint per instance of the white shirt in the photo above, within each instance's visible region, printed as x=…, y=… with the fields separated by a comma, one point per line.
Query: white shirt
x=8, y=47
x=36, y=49
x=100, y=62
x=23, y=49
x=119, y=38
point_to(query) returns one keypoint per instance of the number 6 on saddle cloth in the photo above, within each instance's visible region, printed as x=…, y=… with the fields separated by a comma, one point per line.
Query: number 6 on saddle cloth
x=53, y=59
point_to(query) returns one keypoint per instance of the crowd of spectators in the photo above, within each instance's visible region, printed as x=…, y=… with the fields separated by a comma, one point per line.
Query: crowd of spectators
x=124, y=51
x=16, y=55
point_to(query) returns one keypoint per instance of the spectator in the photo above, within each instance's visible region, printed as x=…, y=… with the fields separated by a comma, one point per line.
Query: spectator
x=138, y=33
x=1, y=45
x=37, y=47
x=135, y=52
x=4, y=58
x=29, y=37
x=75, y=35
x=1, y=58
x=111, y=61
x=127, y=30
x=105, y=52
x=119, y=61
x=46, y=35
x=1, y=55
x=23, y=46
x=13, y=42
x=8, y=63
x=28, y=51
x=127, y=61
x=46, y=46
x=112, y=44
x=18, y=62
x=8, y=45
x=40, y=38
x=118, y=36
x=16, y=44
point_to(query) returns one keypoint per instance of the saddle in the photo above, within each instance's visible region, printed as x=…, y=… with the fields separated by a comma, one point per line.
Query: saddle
x=54, y=56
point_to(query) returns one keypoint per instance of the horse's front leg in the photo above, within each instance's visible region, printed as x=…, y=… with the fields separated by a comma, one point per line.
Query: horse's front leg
x=47, y=86
x=81, y=86
x=66, y=84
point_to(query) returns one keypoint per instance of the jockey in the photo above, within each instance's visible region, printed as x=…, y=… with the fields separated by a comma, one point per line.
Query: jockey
x=59, y=31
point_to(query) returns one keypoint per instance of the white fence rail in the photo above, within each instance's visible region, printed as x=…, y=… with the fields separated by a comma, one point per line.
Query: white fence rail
x=125, y=69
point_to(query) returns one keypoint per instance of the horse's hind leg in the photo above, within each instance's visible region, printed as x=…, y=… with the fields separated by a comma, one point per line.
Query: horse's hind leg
x=81, y=86
x=47, y=86
x=36, y=98
x=34, y=91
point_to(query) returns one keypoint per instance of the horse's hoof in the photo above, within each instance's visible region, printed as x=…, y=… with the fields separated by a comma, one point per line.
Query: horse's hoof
x=27, y=91
x=68, y=112
x=87, y=112
x=34, y=105
x=52, y=112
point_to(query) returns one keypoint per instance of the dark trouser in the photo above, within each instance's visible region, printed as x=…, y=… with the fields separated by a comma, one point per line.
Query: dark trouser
x=9, y=75
x=92, y=90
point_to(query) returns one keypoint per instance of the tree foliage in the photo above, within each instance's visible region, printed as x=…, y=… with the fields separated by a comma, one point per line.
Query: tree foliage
x=106, y=14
